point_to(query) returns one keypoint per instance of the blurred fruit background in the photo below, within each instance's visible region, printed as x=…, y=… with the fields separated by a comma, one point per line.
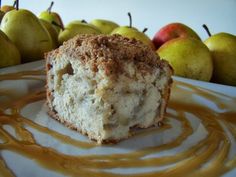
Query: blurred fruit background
x=172, y=28
x=218, y=14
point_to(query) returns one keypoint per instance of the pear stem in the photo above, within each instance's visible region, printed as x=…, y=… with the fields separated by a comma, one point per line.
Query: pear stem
x=17, y=4
x=130, y=19
x=14, y=4
x=207, y=29
x=50, y=7
x=144, y=30
x=56, y=24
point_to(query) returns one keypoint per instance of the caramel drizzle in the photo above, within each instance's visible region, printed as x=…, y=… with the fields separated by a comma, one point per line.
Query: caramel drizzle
x=214, y=148
x=26, y=75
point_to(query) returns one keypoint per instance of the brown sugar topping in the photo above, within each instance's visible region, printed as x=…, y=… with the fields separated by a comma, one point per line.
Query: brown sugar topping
x=110, y=52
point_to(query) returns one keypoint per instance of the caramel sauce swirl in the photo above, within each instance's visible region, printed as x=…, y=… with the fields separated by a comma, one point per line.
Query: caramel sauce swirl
x=209, y=156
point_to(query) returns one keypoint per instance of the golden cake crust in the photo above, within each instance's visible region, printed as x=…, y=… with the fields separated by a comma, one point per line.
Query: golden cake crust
x=108, y=52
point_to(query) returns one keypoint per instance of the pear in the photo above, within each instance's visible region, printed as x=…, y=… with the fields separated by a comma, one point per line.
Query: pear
x=189, y=58
x=52, y=17
x=25, y=30
x=82, y=22
x=8, y=52
x=123, y=28
x=7, y=8
x=223, y=48
x=74, y=29
x=1, y=15
x=52, y=31
x=105, y=26
x=76, y=22
x=131, y=32
x=171, y=31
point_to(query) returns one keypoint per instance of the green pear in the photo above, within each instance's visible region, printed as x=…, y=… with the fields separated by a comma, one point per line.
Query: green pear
x=52, y=17
x=131, y=32
x=223, y=49
x=123, y=28
x=52, y=31
x=25, y=30
x=84, y=23
x=74, y=29
x=6, y=8
x=76, y=22
x=8, y=52
x=105, y=26
x=189, y=58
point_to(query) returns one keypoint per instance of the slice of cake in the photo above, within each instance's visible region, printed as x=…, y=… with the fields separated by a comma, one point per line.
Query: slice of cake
x=103, y=85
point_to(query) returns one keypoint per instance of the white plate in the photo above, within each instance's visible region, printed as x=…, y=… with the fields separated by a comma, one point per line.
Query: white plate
x=214, y=97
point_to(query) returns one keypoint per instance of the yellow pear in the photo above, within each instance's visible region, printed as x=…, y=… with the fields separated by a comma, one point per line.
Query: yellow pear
x=25, y=30
x=74, y=29
x=134, y=33
x=105, y=26
x=223, y=49
x=52, y=17
x=7, y=8
x=189, y=58
x=8, y=52
x=52, y=31
x=131, y=32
